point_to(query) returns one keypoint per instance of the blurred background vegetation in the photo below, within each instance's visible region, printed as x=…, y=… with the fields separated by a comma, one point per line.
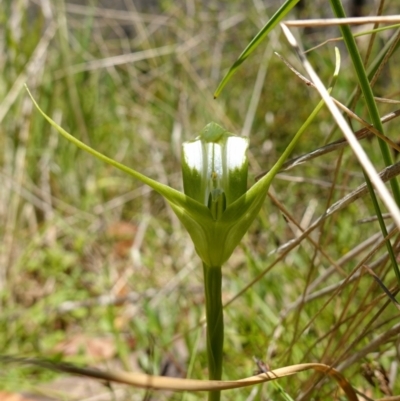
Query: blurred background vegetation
x=95, y=268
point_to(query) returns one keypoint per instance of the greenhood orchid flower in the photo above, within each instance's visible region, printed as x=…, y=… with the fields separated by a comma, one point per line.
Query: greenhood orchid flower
x=216, y=209
x=214, y=166
x=214, y=169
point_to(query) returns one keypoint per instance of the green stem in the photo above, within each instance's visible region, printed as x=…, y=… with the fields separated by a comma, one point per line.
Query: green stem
x=215, y=324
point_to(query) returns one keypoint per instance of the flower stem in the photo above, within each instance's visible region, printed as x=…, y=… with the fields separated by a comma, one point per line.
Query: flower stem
x=215, y=324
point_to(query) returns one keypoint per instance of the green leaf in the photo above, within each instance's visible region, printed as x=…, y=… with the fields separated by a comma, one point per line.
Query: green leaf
x=275, y=19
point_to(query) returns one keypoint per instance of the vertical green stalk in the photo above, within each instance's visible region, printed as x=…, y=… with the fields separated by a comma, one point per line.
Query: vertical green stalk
x=215, y=324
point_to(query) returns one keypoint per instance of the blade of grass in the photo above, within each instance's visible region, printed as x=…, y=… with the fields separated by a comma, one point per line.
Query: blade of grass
x=274, y=20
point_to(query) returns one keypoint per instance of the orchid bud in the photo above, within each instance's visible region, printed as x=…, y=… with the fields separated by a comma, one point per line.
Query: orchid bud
x=214, y=168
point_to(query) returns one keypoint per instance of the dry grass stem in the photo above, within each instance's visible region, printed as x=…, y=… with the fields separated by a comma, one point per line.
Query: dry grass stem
x=390, y=19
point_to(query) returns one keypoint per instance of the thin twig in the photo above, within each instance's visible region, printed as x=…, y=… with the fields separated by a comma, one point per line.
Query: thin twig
x=343, y=21
x=384, y=288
